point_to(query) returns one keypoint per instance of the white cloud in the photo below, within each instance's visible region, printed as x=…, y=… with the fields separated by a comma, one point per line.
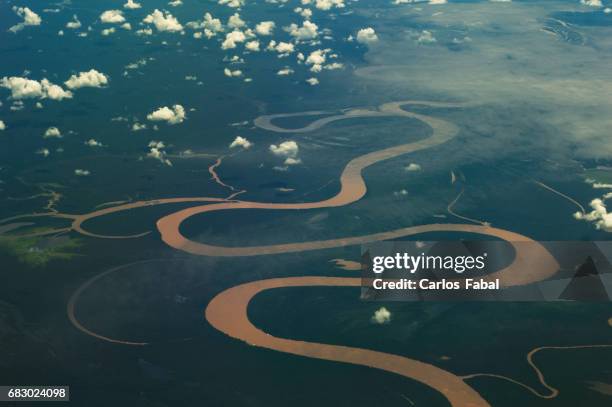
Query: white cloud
x=93, y=143
x=367, y=36
x=157, y=151
x=307, y=31
x=232, y=38
x=235, y=21
x=2, y=125
x=30, y=18
x=304, y=12
x=426, y=37
x=265, y=28
x=213, y=24
x=328, y=4
x=138, y=127
x=413, y=167
x=112, y=17
x=163, y=21
x=74, y=24
x=232, y=3
x=81, y=173
x=131, y=5
x=252, y=46
x=89, y=79
x=333, y=66
x=232, y=74
x=317, y=58
x=288, y=150
x=144, y=31
x=108, y=31
x=381, y=316
x=175, y=115
x=52, y=132
x=24, y=88
x=283, y=48
x=241, y=142
x=175, y=3
x=292, y=161
x=591, y=3
x=285, y=71
x=312, y=81
x=599, y=215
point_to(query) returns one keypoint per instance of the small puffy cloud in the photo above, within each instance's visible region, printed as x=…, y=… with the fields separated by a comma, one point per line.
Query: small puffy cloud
x=316, y=59
x=307, y=31
x=381, y=316
x=44, y=152
x=265, y=28
x=232, y=3
x=599, y=215
x=235, y=21
x=591, y=3
x=93, y=143
x=138, y=127
x=333, y=66
x=175, y=115
x=211, y=23
x=288, y=150
x=131, y=5
x=74, y=24
x=426, y=37
x=163, y=21
x=30, y=18
x=81, y=173
x=412, y=167
x=24, y=88
x=158, y=152
x=292, y=161
x=144, y=31
x=211, y=26
x=312, y=81
x=108, y=31
x=2, y=125
x=304, y=12
x=252, y=46
x=328, y=4
x=367, y=36
x=232, y=38
x=112, y=17
x=285, y=71
x=232, y=74
x=52, y=132
x=283, y=48
x=241, y=142
x=89, y=79
x=175, y=3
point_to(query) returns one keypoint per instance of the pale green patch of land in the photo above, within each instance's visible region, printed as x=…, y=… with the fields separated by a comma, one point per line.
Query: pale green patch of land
x=37, y=251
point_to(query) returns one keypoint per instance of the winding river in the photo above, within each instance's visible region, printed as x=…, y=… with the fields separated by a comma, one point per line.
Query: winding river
x=228, y=311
